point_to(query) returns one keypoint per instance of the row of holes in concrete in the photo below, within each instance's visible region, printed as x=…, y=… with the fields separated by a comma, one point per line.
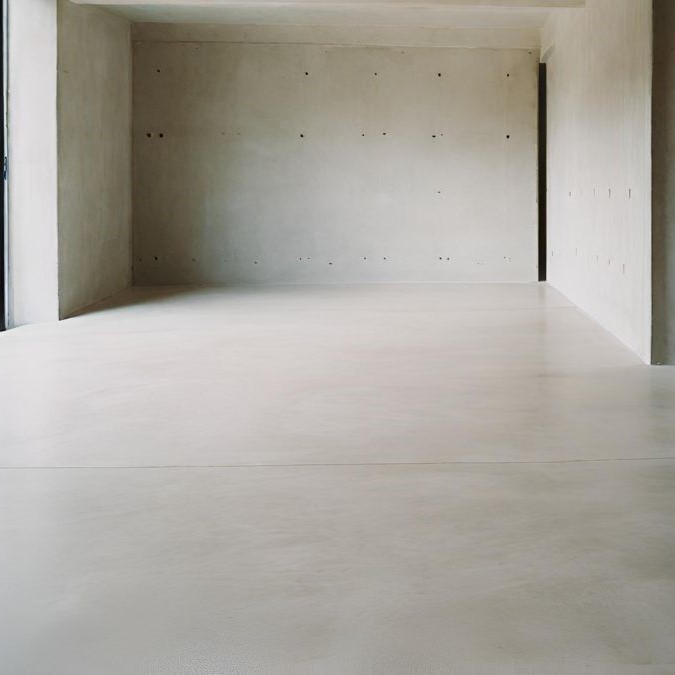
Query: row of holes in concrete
x=629, y=193
x=149, y=134
x=597, y=259
x=376, y=74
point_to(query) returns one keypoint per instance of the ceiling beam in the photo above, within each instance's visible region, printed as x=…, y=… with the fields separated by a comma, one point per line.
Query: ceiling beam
x=542, y=4
x=371, y=36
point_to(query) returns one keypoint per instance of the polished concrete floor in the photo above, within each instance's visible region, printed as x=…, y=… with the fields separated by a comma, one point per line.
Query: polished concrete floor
x=346, y=480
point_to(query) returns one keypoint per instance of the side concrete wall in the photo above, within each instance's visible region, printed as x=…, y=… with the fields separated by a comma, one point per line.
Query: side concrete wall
x=69, y=144
x=33, y=162
x=599, y=166
x=94, y=158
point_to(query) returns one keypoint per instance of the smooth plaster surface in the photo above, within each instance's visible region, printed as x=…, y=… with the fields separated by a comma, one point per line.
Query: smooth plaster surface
x=382, y=479
x=269, y=163
x=599, y=169
x=94, y=160
x=663, y=177
x=32, y=170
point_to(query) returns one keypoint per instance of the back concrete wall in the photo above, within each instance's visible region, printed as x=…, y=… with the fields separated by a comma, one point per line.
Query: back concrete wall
x=300, y=163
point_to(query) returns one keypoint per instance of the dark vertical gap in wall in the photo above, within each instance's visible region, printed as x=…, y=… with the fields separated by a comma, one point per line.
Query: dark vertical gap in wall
x=663, y=184
x=541, y=145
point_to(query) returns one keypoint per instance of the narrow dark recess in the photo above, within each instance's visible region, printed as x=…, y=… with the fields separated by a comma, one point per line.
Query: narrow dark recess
x=542, y=172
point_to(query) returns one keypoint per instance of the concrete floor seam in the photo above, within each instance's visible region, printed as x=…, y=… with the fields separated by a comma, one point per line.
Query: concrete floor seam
x=157, y=467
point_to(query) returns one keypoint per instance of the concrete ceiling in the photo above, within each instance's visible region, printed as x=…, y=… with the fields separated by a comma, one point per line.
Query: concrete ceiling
x=434, y=13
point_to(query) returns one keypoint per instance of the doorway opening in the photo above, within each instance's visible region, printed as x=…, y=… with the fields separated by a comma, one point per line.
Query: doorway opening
x=541, y=145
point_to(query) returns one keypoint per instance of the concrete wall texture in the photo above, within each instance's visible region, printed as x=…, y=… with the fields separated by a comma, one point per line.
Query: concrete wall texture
x=94, y=159
x=32, y=176
x=663, y=177
x=599, y=169
x=291, y=161
x=261, y=163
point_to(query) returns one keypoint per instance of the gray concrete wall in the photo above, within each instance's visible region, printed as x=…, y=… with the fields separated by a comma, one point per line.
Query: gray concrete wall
x=312, y=163
x=663, y=203
x=599, y=165
x=94, y=161
x=32, y=180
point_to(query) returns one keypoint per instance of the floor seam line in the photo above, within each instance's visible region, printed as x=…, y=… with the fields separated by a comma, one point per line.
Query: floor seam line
x=336, y=464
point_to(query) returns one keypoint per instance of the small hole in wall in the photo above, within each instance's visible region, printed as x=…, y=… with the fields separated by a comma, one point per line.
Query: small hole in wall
x=156, y=258
x=433, y=135
x=255, y=262
x=384, y=133
x=149, y=135
x=158, y=70
x=440, y=74
x=330, y=263
x=194, y=259
x=508, y=74
x=508, y=135
x=365, y=258
x=302, y=135
x=376, y=74
x=161, y=135
x=306, y=73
